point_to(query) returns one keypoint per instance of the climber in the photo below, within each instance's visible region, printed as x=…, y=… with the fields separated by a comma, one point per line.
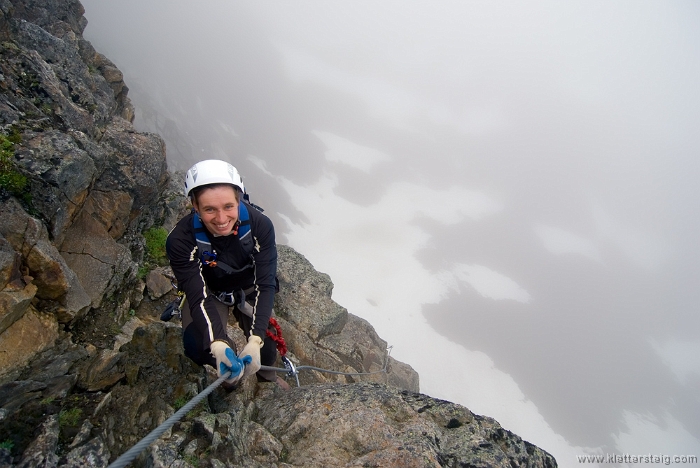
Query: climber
x=224, y=258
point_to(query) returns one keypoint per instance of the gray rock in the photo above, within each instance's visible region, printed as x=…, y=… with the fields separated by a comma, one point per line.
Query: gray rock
x=102, y=371
x=14, y=394
x=374, y=425
x=305, y=296
x=166, y=453
x=93, y=454
x=52, y=276
x=6, y=458
x=9, y=263
x=157, y=284
x=139, y=166
x=98, y=261
x=42, y=451
x=55, y=362
x=263, y=447
x=62, y=174
x=83, y=434
x=350, y=345
x=204, y=425
x=59, y=387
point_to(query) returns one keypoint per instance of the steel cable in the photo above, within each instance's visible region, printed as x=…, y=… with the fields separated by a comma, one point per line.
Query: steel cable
x=134, y=451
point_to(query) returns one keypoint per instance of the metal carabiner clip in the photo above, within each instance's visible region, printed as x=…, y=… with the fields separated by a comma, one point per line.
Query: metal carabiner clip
x=292, y=370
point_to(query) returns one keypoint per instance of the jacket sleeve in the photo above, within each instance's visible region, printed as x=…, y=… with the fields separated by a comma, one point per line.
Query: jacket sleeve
x=265, y=273
x=183, y=254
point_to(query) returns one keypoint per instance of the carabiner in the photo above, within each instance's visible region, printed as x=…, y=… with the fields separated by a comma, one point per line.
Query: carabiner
x=292, y=370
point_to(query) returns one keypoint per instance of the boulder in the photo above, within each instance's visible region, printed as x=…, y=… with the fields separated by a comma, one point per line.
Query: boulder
x=158, y=285
x=92, y=454
x=42, y=451
x=62, y=174
x=321, y=333
x=100, y=263
x=359, y=346
x=13, y=305
x=68, y=94
x=102, y=371
x=304, y=299
x=139, y=166
x=80, y=98
x=51, y=275
x=111, y=209
x=25, y=338
x=9, y=262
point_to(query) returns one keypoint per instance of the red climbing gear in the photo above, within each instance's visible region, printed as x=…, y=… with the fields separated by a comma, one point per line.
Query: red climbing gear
x=277, y=337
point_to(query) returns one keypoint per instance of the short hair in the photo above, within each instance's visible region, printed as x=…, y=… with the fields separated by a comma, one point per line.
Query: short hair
x=198, y=190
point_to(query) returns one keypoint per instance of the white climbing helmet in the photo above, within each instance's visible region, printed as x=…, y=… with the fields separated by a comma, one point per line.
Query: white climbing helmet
x=212, y=171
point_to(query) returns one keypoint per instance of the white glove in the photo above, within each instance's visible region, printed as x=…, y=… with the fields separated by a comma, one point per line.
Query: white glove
x=252, y=351
x=227, y=361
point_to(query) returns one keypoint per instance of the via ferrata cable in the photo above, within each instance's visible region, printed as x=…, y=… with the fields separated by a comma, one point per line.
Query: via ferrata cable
x=128, y=456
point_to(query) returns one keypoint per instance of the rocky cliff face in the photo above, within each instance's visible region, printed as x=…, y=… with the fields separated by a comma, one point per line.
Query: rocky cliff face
x=86, y=366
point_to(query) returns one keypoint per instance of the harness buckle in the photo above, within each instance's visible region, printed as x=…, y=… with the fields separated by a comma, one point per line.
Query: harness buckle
x=209, y=258
x=227, y=298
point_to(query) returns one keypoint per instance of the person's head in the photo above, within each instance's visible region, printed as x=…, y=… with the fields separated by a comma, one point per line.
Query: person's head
x=214, y=187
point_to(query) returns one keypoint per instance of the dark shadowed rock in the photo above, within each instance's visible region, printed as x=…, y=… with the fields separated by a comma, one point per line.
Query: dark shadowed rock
x=42, y=452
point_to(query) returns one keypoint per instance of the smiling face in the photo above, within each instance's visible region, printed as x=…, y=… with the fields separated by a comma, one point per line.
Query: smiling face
x=218, y=208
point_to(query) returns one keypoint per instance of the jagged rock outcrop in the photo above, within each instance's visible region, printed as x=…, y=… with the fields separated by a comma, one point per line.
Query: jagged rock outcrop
x=118, y=394
x=93, y=184
x=86, y=366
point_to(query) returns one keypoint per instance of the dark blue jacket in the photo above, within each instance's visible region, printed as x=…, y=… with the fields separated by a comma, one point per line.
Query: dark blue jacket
x=198, y=281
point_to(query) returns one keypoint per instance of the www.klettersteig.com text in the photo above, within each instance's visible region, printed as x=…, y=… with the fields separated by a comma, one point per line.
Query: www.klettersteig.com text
x=628, y=458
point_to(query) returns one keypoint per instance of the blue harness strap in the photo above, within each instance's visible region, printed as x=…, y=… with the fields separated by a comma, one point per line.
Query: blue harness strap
x=244, y=234
x=208, y=255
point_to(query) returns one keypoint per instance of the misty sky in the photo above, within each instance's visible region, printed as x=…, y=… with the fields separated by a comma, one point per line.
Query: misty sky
x=505, y=190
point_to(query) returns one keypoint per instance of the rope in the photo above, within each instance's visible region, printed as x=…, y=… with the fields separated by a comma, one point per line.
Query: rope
x=277, y=337
x=133, y=452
